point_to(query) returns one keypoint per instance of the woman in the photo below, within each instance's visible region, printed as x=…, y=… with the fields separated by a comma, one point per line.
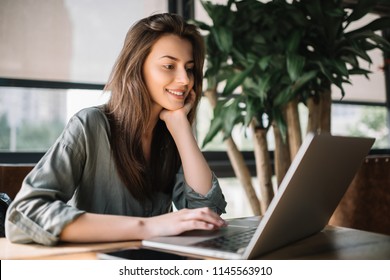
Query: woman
x=114, y=172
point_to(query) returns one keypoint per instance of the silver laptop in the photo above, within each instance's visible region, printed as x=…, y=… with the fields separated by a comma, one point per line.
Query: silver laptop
x=306, y=199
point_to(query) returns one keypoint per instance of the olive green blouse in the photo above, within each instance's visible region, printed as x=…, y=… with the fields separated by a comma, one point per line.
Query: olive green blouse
x=77, y=175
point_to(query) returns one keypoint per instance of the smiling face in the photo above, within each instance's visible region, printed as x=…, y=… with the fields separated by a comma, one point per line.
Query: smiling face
x=168, y=72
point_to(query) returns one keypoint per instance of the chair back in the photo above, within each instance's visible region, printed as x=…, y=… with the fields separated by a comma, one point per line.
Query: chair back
x=366, y=204
x=12, y=176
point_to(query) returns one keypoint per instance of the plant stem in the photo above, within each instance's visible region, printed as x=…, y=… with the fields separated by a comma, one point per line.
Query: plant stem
x=263, y=166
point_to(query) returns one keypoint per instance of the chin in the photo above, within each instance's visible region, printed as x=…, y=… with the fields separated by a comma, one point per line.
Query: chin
x=174, y=107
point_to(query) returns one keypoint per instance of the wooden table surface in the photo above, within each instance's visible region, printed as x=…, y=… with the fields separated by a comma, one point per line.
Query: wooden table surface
x=331, y=243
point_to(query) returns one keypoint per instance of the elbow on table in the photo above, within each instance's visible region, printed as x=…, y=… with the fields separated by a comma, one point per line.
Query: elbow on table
x=18, y=233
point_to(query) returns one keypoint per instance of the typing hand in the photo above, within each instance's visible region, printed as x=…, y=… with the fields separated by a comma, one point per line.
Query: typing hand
x=184, y=220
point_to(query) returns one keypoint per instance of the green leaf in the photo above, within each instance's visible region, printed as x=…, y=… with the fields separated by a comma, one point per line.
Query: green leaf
x=264, y=62
x=295, y=64
x=315, y=11
x=368, y=46
x=200, y=24
x=303, y=80
x=283, y=97
x=293, y=41
x=359, y=71
x=377, y=24
x=341, y=67
x=238, y=56
x=223, y=38
x=356, y=52
x=218, y=13
x=215, y=127
x=259, y=39
x=369, y=35
x=350, y=59
x=208, y=6
x=232, y=114
x=236, y=80
x=252, y=58
x=218, y=122
x=381, y=42
x=264, y=84
x=333, y=19
x=251, y=110
x=362, y=8
x=213, y=66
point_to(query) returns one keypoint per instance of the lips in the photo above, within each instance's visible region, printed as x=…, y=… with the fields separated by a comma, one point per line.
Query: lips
x=178, y=93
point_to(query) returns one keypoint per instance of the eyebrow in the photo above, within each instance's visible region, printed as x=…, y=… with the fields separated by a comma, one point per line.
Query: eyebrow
x=176, y=59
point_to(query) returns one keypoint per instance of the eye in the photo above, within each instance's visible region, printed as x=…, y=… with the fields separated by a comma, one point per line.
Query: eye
x=168, y=66
x=190, y=70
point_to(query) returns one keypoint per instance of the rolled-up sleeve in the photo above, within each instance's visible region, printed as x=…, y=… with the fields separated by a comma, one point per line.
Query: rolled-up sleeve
x=185, y=197
x=40, y=211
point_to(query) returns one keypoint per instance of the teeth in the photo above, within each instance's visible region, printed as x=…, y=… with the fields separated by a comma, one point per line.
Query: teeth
x=178, y=93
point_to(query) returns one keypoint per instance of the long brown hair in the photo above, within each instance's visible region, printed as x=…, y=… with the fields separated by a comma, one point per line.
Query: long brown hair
x=129, y=107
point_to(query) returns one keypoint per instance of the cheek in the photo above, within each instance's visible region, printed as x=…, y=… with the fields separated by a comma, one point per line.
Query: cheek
x=154, y=80
x=158, y=78
x=192, y=81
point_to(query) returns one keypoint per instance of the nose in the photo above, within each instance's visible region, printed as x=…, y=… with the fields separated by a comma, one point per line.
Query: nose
x=182, y=76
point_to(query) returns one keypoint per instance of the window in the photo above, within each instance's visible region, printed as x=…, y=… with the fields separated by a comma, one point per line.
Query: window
x=55, y=57
x=66, y=40
x=31, y=119
x=362, y=120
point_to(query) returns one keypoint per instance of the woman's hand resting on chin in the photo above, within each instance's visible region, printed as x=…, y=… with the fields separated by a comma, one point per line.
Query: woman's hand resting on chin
x=174, y=119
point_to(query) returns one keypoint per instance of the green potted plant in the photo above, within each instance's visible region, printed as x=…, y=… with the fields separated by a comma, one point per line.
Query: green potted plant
x=280, y=54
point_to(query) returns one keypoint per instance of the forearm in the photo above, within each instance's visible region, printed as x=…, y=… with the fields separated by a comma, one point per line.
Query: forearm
x=110, y=228
x=196, y=170
x=90, y=227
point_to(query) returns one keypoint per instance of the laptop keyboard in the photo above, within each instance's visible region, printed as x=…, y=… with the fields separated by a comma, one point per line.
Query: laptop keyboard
x=232, y=242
